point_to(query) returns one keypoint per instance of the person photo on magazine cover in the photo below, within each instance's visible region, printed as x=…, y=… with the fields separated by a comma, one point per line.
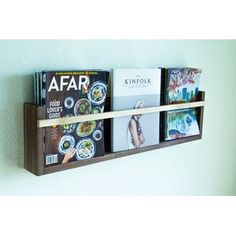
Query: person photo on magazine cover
x=135, y=133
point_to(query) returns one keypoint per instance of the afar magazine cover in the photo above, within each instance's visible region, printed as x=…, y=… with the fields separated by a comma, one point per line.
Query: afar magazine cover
x=74, y=93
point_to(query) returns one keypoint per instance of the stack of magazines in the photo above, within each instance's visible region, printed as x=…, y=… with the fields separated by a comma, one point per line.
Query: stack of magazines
x=83, y=92
x=72, y=93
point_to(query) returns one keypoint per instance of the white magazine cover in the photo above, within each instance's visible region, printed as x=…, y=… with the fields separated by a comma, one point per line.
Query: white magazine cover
x=132, y=89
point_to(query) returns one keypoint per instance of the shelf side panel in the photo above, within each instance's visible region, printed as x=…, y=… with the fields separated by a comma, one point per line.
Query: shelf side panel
x=201, y=112
x=40, y=142
x=33, y=140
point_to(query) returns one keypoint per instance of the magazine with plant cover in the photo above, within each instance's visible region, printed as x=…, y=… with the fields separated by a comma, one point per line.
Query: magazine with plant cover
x=180, y=85
x=132, y=89
x=73, y=93
x=181, y=123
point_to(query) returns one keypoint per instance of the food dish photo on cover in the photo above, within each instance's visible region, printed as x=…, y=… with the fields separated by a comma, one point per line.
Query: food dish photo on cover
x=72, y=93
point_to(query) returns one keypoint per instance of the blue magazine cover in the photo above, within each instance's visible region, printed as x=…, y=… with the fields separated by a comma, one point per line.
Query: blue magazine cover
x=182, y=85
x=181, y=123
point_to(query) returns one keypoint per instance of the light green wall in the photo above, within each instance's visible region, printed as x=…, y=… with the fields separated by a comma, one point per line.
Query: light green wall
x=204, y=167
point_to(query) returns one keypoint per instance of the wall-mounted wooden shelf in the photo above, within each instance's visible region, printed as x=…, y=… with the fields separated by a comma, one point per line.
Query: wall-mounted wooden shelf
x=34, y=130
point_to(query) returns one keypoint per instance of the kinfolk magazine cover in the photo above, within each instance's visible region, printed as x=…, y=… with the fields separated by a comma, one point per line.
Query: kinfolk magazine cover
x=132, y=89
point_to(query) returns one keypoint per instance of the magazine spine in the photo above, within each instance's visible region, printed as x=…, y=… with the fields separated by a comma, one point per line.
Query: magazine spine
x=163, y=115
x=112, y=109
x=35, y=96
x=107, y=122
x=41, y=88
x=43, y=94
x=37, y=88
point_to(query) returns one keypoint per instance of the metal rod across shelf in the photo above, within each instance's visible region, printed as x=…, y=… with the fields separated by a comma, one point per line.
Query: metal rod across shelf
x=115, y=114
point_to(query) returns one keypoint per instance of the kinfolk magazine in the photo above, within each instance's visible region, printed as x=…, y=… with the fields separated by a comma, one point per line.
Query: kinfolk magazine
x=72, y=93
x=132, y=89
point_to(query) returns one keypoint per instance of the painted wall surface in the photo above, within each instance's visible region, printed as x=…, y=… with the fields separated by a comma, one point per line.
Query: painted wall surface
x=203, y=167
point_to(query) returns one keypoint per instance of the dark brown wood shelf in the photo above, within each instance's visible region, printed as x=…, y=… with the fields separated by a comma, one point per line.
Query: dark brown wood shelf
x=35, y=142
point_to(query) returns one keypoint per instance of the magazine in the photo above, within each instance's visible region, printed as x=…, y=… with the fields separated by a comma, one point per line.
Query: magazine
x=132, y=89
x=180, y=85
x=73, y=93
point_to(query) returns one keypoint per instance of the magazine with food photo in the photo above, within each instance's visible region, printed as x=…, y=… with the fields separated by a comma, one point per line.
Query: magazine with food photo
x=133, y=89
x=73, y=93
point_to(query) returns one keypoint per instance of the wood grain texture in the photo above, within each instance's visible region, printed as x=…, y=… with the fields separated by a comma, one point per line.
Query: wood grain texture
x=33, y=139
x=30, y=134
x=40, y=144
